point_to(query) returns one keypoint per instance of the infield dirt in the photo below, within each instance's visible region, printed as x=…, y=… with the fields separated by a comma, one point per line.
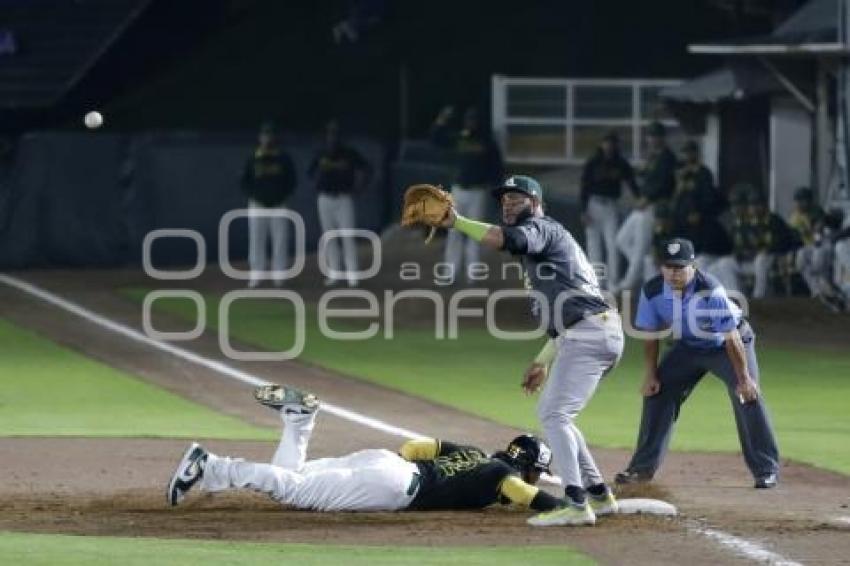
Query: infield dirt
x=115, y=486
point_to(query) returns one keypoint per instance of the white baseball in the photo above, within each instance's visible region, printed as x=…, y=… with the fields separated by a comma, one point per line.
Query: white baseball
x=93, y=120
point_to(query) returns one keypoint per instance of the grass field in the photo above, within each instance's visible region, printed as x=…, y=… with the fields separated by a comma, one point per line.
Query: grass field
x=52, y=391
x=64, y=550
x=807, y=391
x=90, y=399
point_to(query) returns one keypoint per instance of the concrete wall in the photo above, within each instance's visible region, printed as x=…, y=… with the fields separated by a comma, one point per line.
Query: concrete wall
x=790, y=152
x=81, y=199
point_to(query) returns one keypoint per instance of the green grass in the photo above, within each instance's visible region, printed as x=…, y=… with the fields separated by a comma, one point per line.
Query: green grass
x=65, y=550
x=808, y=392
x=49, y=390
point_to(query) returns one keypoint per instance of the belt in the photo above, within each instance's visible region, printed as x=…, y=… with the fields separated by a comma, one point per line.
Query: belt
x=603, y=316
x=415, y=482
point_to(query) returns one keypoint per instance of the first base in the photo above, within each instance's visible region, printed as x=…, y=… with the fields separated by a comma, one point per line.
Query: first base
x=639, y=506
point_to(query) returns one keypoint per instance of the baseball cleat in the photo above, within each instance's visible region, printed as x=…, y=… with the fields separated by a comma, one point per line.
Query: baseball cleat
x=605, y=504
x=570, y=514
x=287, y=399
x=766, y=481
x=188, y=472
x=630, y=477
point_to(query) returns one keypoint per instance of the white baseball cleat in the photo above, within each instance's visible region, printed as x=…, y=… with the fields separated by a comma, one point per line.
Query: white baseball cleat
x=188, y=472
x=286, y=399
x=570, y=514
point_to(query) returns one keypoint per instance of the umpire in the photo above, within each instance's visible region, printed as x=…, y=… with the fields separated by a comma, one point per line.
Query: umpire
x=710, y=335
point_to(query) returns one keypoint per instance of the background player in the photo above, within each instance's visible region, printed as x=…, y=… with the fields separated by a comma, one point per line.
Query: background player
x=478, y=167
x=340, y=172
x=425, y=474
x=268, y=180
x=585, y=335
x=602, y=181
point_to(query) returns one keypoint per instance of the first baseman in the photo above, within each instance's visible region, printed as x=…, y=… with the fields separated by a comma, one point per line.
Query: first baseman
x=710, y=335
x=585, y=335
x=425, y=474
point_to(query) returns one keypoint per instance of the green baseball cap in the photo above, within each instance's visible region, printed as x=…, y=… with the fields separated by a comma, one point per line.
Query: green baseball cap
x=520, y=184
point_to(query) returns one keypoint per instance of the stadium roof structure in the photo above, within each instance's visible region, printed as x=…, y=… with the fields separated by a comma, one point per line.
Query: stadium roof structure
x=811, y=31
x=50, y=45
x=733, y=82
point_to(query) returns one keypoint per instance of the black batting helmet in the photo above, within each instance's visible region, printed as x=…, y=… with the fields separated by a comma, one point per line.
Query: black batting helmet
x=525, y=453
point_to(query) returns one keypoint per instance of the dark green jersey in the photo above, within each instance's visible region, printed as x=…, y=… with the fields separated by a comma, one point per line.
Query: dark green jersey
x=461, y=477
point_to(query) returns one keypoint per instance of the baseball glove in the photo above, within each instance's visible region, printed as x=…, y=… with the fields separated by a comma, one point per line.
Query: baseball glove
x=427, y=205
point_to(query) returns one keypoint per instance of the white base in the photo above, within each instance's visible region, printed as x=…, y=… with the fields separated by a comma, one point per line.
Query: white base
x=646, y=507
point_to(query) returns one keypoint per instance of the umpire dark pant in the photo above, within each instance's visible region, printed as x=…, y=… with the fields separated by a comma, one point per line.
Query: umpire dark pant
x=680, y=370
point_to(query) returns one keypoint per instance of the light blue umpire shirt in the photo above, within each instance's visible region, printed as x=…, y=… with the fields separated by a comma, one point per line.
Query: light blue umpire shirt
x=699, y=319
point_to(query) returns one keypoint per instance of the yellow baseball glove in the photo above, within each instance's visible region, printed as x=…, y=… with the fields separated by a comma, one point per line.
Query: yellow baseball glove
x=427, y=205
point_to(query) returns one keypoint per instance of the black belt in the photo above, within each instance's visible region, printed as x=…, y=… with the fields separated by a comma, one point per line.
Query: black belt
x=553, y=332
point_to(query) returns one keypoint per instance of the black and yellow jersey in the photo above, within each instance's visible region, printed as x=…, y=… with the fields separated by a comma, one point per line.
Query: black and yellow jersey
x=458, y=477
x=268, y=177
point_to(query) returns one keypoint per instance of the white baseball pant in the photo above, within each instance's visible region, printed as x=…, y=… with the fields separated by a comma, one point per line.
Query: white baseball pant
x=635, y=239
x=601, y=227
x=841, y=265
x=706, y=262
x=368, y=480
x=263, y=227
x=336, y=212
x=650, y=267
x=815, y=264
x=729, y=269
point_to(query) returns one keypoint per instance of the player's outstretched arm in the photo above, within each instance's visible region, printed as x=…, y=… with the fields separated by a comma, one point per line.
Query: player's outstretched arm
x=487, y=234
x=520, y=493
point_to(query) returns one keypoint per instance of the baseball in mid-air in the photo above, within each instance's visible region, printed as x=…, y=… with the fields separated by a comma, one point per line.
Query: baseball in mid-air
x=93, y=120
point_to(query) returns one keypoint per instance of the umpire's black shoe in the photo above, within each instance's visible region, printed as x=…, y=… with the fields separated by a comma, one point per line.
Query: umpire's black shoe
x=188, y=472
x=767, y=481
x=631, y=477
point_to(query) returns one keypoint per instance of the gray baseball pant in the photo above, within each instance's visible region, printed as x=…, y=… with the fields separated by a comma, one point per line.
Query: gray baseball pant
x=586, y=352
x=680, y=370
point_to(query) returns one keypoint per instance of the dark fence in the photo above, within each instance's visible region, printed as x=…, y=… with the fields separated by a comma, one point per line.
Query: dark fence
x=77, y=199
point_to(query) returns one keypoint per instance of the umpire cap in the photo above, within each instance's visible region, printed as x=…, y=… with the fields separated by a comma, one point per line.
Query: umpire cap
x=520, y=184
x=678, y=252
